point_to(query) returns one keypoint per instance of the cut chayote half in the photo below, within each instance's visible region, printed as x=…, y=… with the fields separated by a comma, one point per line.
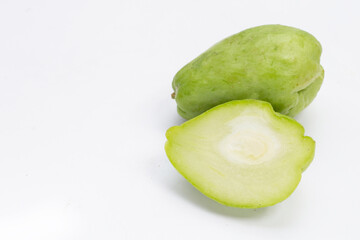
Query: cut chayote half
x=241, y=153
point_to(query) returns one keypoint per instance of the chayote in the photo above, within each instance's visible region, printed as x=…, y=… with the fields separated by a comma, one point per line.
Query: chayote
x=273, y=63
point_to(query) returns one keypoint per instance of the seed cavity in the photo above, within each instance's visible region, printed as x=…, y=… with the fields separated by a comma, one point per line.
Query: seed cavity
x=251, y=140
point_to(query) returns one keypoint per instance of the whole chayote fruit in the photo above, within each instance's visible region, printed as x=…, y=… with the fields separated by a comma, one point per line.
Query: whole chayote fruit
x=273, y=63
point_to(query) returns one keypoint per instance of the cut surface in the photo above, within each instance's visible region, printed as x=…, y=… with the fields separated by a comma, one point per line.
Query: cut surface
x=241, y=153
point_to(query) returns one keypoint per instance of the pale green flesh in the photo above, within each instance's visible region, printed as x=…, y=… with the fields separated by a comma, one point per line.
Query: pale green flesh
x=241, y=153
x=270, y=63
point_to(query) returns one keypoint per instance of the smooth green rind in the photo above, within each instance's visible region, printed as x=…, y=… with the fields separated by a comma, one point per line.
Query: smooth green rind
x=273, y=63
x=190, y=148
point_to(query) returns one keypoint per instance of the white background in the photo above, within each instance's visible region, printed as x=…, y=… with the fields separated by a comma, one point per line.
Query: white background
x=85, y=102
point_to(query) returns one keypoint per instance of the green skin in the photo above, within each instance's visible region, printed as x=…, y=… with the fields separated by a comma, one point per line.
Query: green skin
x=273, y=63
x=192, y=150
